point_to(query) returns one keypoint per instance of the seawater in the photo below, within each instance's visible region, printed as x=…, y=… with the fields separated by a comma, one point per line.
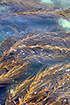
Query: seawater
x=20, y=23
x=10, y=25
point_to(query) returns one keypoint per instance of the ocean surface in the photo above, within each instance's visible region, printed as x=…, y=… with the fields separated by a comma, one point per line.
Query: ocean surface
x=12, y=23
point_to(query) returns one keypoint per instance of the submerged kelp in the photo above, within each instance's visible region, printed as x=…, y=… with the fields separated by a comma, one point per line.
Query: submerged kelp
x=46, y=45
x=20, y=51
x=49, y=87
x=29, y=11
x=23, y=51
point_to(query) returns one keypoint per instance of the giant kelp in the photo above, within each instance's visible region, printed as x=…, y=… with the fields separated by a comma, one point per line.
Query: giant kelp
x=44, y=44
x=30, y=9
x=51, y=84
x=19, y=51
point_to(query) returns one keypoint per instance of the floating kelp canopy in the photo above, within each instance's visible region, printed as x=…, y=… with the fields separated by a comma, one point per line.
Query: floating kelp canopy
x=29, y=49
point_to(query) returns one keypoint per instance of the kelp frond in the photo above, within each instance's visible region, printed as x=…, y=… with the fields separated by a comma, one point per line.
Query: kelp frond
x=25, y=7
x=51, y=85
x=13, y=71
x=48, y=87
x=38, y=45
x=21, y=50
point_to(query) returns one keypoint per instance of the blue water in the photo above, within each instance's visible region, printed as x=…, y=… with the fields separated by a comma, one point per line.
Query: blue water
x=12, y=24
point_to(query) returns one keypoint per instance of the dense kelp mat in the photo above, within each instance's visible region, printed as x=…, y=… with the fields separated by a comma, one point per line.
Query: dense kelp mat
x=34, y=62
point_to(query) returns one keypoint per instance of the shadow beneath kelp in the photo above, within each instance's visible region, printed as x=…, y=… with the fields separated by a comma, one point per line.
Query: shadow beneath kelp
x=3, y=95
